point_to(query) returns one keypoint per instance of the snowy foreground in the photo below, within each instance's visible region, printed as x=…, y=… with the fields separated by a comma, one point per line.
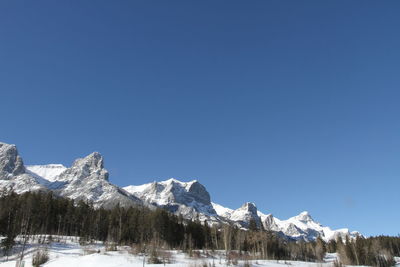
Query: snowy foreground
x=68, y=253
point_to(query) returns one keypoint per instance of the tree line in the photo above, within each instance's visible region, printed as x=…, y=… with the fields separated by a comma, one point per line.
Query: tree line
x=372, y=251
x=38, y=213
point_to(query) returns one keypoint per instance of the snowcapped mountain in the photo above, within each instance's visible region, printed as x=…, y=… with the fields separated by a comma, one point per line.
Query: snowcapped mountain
x=13, y=175
x=87, y=180
x=190, y=199
x=242, y=216
x=11, y=163
x=304, y=225
x=300, y=227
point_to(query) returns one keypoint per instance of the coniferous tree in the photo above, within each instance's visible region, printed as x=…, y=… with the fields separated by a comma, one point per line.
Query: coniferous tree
x=38, y=214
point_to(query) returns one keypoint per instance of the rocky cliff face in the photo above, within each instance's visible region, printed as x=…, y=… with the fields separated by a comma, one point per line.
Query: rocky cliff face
x=12, y=172
x=86, y=180
x=89, y=167
x=11, y=163
x=246, y=213
x=268, y=222
x=190, y=199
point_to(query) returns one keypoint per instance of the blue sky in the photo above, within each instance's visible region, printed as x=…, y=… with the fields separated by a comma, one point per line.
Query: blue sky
x=293, y=105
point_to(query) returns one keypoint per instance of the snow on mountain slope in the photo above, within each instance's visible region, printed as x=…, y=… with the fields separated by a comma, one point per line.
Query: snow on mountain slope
x=12, y=171
x=178, y=197
x=88, y=180
x=21, y=184
x=245, y=214
x=305, y=225
x=269, y=222
x=48, y=172
x=11, y=163
x=187, y=198
x=301, y=226
x=222, y=211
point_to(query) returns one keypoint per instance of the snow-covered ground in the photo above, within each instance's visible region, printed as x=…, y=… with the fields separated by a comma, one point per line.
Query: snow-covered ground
x=67, y=252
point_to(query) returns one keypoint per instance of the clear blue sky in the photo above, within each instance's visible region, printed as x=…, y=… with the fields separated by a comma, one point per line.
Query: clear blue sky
x=293, y=105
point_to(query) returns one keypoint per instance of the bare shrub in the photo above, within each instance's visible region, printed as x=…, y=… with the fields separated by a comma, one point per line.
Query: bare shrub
x=111, y=246
x=337, y=263
x=154, y=257
x=233, y=257
x=165, y=256
x=89, y=251
x=196, y=254
x=136, y=249
x=40, y=257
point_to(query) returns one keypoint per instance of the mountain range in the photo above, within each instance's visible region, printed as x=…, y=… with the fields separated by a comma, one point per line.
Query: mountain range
x=88, y=180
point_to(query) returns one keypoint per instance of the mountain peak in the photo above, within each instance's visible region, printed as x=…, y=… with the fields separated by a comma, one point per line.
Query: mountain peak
x=10, y=162
x=246, y=213
x=304, y=213
x=94, y=160
x=250, y=207
x=172, y=180
x=304, y=216
x=176, y=196
x=90, y=166
x=176, y=181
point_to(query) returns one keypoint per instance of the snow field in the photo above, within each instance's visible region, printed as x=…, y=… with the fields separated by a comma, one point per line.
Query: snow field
x=67, y=252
